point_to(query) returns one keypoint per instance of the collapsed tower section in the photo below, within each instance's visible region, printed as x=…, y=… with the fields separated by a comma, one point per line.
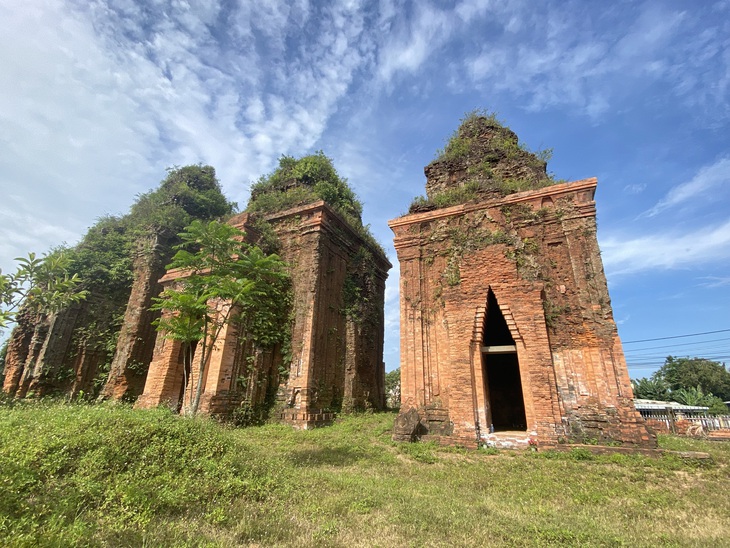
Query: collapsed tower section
x=507, y=331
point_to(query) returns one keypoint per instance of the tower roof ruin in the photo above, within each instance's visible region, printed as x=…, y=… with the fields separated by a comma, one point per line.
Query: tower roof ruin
x=483, y=159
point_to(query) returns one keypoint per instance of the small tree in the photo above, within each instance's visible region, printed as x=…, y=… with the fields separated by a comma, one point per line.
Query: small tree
x=392, y=388
x=222, y=279
x=692, y=395
x=41, y=284
x=696, y=396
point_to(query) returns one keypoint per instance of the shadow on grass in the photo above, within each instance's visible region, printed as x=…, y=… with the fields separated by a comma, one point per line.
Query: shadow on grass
x=327, y=456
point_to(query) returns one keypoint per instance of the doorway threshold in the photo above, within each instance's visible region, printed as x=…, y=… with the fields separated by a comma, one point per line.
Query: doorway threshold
x=508, y=439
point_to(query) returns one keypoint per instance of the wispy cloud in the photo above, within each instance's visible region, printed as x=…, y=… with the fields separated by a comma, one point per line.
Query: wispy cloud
x=575, y=59
x=700, y=188
x=668, y=250
x=412, y=40
x=636, y=188
x=712, y=282
x=98, y=98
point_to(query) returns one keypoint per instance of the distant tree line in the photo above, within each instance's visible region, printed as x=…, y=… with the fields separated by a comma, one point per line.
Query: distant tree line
x=689, y=381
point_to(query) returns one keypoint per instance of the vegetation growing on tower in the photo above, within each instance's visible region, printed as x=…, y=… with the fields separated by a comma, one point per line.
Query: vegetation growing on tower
x=300, y=181
x=482, y=159
x=187, y=193
x=105, y=260
x=104, y=256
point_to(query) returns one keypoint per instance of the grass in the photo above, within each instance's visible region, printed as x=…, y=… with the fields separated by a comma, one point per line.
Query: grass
x=107, y=475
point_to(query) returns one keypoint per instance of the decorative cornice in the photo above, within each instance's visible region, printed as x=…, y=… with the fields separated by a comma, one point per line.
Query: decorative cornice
x=553, y=192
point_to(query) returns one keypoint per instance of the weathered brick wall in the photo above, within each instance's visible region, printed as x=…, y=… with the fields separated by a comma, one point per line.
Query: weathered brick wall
x=39, y=350
x=64, y=352
x=19, y=348
x=537, y=252
x=336, y=352
x=164, y=384
x=136, y=340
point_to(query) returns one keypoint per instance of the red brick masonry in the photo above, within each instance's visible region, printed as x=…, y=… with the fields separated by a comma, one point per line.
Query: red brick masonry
x=337, y=357
x=537, y=252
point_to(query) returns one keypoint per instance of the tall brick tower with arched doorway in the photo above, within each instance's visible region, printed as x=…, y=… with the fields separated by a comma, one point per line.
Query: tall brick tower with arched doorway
x=507, y=331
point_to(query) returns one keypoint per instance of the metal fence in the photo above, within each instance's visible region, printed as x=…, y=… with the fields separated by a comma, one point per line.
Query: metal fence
x=673, y=421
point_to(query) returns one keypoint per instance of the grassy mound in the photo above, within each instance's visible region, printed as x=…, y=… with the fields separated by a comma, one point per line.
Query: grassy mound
x=110, y=476
x=74, y=473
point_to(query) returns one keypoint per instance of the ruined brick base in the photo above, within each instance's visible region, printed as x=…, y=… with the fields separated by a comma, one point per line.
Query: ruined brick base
x=608, y=427
x=306, y=420
x=427, y=423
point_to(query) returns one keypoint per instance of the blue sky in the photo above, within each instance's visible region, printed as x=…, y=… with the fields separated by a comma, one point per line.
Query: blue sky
x=98, y=98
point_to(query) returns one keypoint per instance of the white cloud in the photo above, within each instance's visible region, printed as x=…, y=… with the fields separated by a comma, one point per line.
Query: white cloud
x=564, y=56
x=413, y=41
x=635, y=188
x=712, y=282
x=700, y=188
x=669, y=250
x=410, y=42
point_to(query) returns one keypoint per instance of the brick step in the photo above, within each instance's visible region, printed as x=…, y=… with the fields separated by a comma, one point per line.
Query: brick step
x=722, y=434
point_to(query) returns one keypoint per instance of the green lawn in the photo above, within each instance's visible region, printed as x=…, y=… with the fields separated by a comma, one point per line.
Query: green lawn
x=107, y=475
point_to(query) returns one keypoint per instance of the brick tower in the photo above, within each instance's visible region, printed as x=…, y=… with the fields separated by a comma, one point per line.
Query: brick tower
x=336, y=347
x=507, y=331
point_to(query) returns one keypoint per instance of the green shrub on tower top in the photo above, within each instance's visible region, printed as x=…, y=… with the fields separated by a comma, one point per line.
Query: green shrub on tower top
x=300, y=181
x=304, y=180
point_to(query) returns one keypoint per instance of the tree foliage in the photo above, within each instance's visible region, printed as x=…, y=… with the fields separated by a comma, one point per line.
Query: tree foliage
x=104, y=257
x=392, y=388
x=223, y=280
x=689, y=381
x=187, y=193
x=651, y=389
x=711, y=376
x=40, y=284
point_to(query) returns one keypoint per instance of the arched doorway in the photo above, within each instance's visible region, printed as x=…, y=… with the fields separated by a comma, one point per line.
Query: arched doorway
x=501, y=372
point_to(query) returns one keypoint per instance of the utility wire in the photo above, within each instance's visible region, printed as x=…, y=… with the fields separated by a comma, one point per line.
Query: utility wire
x=698, y=352
x=650, y=363
x=678, y=336
x=677, y=345
x=659, y=362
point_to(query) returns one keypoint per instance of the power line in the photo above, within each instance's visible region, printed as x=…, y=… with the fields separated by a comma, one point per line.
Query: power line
x=679, y=336
x=678, y=345
x=644, y=363
x=696, y=352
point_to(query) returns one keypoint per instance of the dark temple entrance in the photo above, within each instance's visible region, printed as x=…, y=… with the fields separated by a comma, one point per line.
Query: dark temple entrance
x=503, y=386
